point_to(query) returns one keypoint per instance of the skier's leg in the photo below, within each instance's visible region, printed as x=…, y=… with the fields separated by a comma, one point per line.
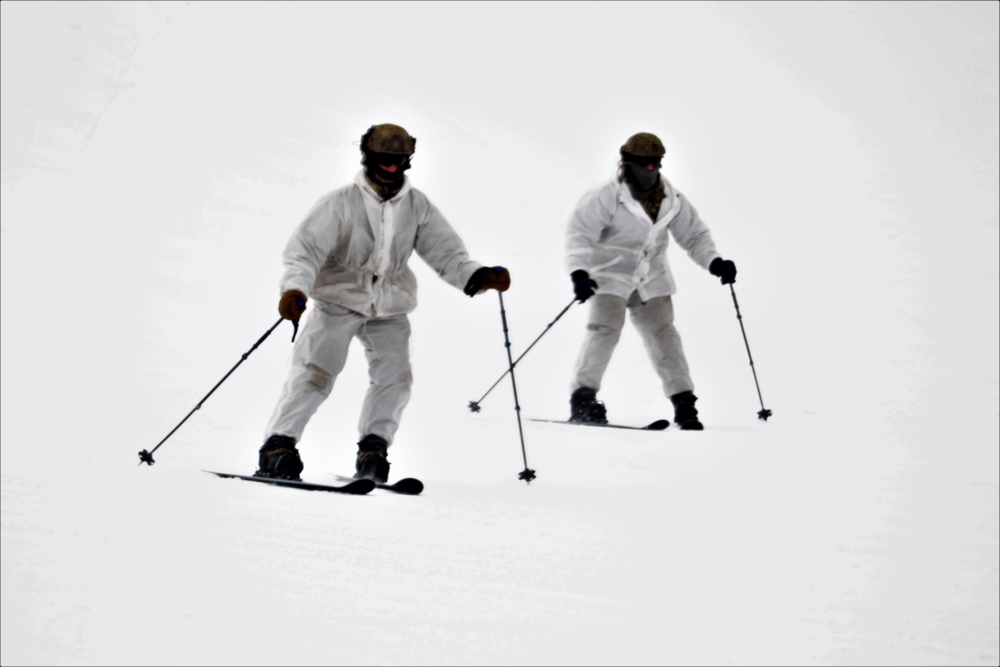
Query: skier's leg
x=387, y=347
x=604, y=329
x=319, y=356
x=654, y=320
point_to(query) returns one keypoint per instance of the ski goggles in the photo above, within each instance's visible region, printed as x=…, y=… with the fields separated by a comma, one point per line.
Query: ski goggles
x=643, y=160
x=389, y=159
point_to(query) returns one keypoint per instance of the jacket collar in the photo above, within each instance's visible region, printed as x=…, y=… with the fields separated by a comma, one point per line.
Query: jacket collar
x=370, y=193
x=632, y=204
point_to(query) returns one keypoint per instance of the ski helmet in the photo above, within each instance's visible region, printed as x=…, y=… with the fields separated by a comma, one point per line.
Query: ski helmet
x=641, y=155
x=385, y=153
x=643, y=144
x=387, y=139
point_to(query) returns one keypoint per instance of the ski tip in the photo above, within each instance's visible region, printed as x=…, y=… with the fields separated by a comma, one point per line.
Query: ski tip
x=410, y=486
x=658, y=425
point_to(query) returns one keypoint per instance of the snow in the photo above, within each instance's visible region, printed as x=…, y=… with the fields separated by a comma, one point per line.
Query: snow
x=155, y=158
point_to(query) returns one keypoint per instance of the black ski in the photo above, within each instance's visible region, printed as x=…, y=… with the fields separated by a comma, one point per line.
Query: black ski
x=658, y=425
x=409, y=486
x=354, y=487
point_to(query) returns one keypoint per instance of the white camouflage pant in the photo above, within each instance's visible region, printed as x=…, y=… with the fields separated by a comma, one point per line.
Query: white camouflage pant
x=320, y=355
x=653, y=319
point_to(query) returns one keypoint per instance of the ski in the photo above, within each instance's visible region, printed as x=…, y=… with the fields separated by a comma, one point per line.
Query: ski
x=658, y=425
x=408, y=486
x=354, y=487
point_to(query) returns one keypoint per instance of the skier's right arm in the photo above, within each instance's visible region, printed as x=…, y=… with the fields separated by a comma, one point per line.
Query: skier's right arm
x=305, y=252
x=582, y=235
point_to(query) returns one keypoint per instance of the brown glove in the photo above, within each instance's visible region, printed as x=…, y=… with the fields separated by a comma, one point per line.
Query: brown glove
x=292, y=305
x=488, y=277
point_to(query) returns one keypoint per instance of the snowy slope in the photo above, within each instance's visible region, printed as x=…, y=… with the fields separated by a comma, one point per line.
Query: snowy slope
x=155, y=158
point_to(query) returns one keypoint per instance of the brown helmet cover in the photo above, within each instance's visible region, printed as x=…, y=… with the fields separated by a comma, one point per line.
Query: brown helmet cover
x=388, y=138
x=644, y=144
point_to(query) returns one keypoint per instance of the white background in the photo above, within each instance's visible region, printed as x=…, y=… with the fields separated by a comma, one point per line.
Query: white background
x=155, y=159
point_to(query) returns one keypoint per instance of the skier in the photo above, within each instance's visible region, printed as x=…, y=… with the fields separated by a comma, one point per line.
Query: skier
x=350, y=257
x=617, y=257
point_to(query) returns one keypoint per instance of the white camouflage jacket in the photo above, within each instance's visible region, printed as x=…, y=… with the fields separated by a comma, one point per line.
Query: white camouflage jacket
x=612, y=238
x=352, y=249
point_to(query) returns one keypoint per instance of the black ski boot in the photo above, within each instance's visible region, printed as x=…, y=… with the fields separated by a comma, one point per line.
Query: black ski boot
x=685, y=414
x=585, y=408
x=372, y=462
x=279, y=458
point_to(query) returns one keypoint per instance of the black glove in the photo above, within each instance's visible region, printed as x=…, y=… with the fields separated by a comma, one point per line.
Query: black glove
x=725, y=269
x=583, y=286
x=488, y=277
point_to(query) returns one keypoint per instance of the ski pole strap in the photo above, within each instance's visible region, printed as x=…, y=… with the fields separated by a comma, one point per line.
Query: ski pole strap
x=300, y=302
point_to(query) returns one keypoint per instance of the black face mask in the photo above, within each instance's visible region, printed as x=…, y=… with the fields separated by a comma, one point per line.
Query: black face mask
x=389, y=183
x=379, y=175
x=642, y=178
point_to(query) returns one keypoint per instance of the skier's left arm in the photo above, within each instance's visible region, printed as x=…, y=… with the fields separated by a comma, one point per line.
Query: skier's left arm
x=692, y=234
x=440, y=246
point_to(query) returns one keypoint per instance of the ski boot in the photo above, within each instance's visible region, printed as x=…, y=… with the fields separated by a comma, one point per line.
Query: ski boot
x=279, y=459
x=685, y=414
x=585, y=408
x=372, y=463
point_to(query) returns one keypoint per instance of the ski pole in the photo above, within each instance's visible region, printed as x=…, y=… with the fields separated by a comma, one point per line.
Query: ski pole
x=474, y=405
x=764, y=413
x=527, y=474
x=147, y=456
